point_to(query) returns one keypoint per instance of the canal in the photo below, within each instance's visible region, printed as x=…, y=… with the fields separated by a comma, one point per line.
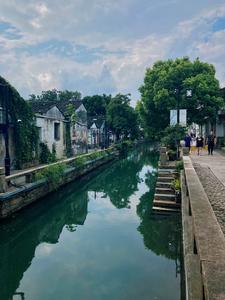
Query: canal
x=94, y=239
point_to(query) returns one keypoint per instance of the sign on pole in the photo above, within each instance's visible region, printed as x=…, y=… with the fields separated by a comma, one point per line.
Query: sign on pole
x=182, y=117
x=173, y=117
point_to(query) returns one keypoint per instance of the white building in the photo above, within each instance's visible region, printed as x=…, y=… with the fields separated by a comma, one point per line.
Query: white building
x=98, y=134
x=79, y=132
x=51, y=125
x=51, y=119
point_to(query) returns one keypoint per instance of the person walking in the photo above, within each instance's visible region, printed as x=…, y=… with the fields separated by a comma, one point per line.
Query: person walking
x=199, y=143
x=187, y=140
x=211, y=140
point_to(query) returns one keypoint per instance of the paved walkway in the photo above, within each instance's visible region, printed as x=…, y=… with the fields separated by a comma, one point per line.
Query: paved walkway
x=211, y=172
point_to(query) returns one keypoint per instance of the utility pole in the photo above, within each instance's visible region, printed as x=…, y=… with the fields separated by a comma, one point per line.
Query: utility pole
x=177, y=93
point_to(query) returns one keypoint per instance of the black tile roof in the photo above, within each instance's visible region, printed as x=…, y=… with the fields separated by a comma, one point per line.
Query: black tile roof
x=42, y=107
x=98, y=120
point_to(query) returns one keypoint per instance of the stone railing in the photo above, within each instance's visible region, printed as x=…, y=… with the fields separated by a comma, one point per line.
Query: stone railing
x=203, y=241
x=26, y=193
x=29, y=174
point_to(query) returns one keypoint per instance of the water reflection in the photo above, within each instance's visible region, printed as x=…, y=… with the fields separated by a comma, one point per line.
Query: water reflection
x=161, y=234
x=42, y=223
x=116, y=183
x=119, y=188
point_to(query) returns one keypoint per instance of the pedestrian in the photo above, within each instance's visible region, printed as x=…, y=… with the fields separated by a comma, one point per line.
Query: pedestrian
x=211, y=140
x=199, y=143
x=187, y=140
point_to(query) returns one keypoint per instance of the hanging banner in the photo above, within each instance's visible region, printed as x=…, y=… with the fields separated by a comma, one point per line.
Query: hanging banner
x=183, y=117
x=173, y=117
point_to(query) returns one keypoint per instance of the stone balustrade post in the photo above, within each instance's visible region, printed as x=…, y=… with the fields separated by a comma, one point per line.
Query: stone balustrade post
x=3, y=184
x=163, y=156
x=29, y=178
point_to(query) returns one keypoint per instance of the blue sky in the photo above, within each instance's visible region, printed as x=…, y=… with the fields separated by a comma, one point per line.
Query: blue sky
x=104, y=46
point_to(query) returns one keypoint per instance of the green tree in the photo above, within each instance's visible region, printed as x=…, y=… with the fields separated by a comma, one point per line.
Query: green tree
x=71, y=114
x=67, y=95
x=158, y=93
x=97, y=104
x=121, y=117
x=54, y=95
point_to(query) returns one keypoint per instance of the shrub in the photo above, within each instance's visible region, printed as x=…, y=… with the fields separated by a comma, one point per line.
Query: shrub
x=124, y=146
x=179, y=165
x=46, y=156
x=172, y=155
x=53, y=174
x=176, y=185
x=80, y=161
x=172, y=136
x=53, y=152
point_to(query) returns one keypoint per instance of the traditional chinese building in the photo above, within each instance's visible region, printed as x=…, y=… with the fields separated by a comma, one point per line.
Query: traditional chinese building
x=52, y=119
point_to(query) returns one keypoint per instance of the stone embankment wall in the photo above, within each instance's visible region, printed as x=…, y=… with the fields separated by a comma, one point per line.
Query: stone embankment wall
x=203, y=241
x=17, y=198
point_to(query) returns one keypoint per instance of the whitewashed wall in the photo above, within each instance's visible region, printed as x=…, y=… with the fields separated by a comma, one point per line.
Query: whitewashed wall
x=79, y=132
x=46, y=127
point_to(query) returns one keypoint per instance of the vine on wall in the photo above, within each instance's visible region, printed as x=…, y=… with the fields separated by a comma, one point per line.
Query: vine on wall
x=26, y=133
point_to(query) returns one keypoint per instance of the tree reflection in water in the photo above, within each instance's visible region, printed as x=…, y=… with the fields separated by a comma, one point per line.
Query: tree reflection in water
x=67, y=209
x=161, y=234
x=42, y=223
x=119, y=188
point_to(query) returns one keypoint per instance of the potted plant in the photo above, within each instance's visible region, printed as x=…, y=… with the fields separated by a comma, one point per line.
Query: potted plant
x=176, y=186
x=172, y=154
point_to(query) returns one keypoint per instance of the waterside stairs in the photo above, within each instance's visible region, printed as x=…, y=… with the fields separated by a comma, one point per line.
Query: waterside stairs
x=165, y=199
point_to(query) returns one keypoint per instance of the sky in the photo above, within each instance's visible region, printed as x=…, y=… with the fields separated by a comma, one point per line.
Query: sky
x=104, y=46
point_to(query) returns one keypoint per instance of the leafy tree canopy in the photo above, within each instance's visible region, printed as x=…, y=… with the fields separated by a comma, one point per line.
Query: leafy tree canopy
x=53, y=95
x=158, y=93
x=121, y=117
x=97, y=104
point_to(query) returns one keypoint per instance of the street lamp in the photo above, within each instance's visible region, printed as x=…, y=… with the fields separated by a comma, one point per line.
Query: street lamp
x=4, y=124
x=189, y=93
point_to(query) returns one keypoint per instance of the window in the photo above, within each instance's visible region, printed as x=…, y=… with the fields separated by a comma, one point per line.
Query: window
x=40, y=133
x=57, y=131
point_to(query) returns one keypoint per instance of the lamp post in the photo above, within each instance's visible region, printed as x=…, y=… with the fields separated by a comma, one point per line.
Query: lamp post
x=177, y=93
x=4, y=124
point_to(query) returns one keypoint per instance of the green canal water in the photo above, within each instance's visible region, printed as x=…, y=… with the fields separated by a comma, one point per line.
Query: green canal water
x=94, y=239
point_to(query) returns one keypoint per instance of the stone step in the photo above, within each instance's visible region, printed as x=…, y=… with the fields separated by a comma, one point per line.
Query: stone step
x=166, y=170
x=164, y=190
x=165, y=179
x=167, y=167
x=162, y=197
x=166, y=210
x=165, y=174
x=160, y=184
x=169, y=204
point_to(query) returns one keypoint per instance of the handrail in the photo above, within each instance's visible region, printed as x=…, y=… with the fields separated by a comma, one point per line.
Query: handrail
x=206, y=240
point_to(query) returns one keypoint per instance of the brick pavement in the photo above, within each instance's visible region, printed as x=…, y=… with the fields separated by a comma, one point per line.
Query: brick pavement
x=211, y=172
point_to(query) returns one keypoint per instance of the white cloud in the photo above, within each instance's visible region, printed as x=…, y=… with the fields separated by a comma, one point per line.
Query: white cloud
x=121, y=57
